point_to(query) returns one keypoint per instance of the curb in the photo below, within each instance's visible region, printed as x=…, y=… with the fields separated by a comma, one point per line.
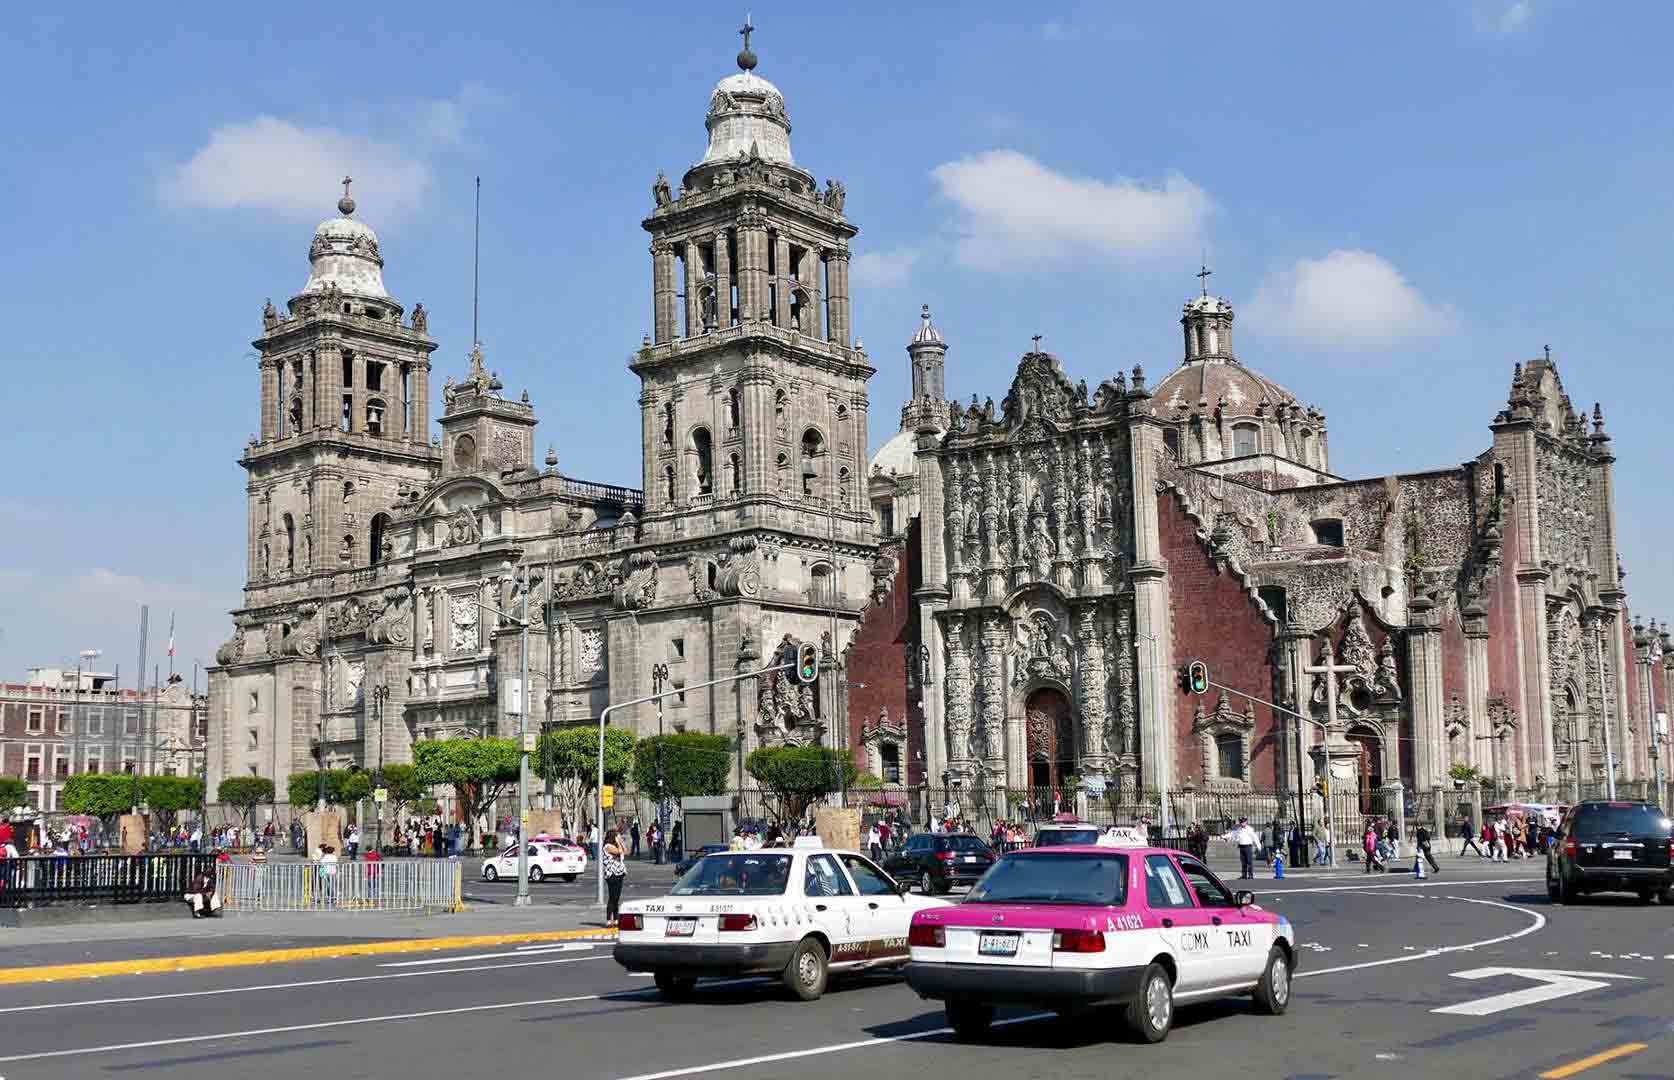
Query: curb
x=204, y=962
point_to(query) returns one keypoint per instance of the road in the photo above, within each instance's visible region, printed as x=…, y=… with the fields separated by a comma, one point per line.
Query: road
x=1381, y=956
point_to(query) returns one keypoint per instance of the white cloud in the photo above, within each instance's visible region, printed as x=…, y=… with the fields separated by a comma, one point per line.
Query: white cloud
x=1499, y=17
x=1348, y=299
x=1016, y=210
x=884, y=269
x=295, y=169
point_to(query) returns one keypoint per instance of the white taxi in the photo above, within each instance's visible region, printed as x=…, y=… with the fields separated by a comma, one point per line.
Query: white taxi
x=546, y=859
x=799, y=913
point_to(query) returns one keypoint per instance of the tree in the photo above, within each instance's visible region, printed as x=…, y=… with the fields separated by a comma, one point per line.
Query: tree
x=795, y=776
x=245, y=793
x=404, y=787
x=99, y=795
x=343, y=787
x=478, y=770
x=692, y=764
x=13, y=792
x=569, y=757
x=168, y=795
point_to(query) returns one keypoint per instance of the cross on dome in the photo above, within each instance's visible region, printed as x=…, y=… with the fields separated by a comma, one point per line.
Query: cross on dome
x=346, y=205
x=746, y=57
x=1202, y=276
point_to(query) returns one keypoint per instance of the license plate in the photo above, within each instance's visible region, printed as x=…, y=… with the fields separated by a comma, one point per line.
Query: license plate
x=997, y=945
x=680, y=928
x=970, y=858
x=1622, y=853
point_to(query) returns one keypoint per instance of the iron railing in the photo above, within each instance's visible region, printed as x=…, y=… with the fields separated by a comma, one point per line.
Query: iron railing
x=425, y=885
x=118, y=879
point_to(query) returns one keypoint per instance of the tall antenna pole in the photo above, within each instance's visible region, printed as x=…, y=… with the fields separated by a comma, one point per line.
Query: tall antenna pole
x=476, y=262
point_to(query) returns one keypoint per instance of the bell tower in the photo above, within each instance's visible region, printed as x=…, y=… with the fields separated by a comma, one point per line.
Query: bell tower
x=344, y=416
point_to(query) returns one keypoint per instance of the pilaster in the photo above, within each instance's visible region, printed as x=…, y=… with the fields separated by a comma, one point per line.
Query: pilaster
x=1424, y=667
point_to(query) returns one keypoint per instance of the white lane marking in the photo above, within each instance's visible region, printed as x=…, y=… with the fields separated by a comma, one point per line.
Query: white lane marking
x=318, y=1025
x=1440, y=950
x=815, y=1051
x=289, y=985
x=1554, y=984
x=1401, y=885
x=566, y=947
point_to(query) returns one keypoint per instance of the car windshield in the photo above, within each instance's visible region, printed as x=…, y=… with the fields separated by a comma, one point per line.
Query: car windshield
x=1631, y=819
x=1059, y=837
x=969, y=844
x=1032, y=878
x=738, y=874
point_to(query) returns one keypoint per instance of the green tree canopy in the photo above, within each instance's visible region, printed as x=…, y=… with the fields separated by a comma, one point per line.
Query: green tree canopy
x=13, y=792
x=795, y=776
x=168, y=795
x=478, y=770
x=343, y=787
x=692, y=764
x=99, y=795
x=245, y=793
x=404, y=787
x=569, y=757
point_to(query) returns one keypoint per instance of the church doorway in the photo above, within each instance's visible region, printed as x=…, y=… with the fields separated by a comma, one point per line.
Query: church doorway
x=1050, y=726
x=1370, y=770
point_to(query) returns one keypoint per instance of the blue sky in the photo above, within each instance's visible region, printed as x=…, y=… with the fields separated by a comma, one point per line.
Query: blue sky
x=1400, y=201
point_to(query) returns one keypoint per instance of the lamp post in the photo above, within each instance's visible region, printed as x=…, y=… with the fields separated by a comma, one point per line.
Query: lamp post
x=522, y=740
x=659, y=676
x=380, y=694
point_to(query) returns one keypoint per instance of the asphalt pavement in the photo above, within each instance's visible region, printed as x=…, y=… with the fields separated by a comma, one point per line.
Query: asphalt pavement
x=1381, y=954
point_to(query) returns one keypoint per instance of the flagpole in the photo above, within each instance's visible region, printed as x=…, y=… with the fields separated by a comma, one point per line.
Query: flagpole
x=171, y=646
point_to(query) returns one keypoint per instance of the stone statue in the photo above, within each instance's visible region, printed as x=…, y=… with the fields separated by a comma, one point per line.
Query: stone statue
x=659, y=190
x=270, y=315
x=835, y=194
x=448, y=391
x=421, y=319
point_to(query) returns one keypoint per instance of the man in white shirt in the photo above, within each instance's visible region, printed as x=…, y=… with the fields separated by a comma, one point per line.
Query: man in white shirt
x=1245, y=837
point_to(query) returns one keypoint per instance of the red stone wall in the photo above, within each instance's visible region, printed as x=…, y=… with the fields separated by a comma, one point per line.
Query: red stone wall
x=1216, y=621
x=1504, y=665
x=878, y=658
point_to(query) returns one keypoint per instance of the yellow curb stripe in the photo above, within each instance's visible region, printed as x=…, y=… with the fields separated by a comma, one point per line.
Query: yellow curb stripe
x=156, y=965
x=1588, y=1062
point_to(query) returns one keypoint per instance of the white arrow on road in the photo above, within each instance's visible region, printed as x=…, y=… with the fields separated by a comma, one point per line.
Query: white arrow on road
x=1554, y=984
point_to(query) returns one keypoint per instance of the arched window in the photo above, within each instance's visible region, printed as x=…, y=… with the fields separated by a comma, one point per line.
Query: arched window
x=296, y=416
x=704, y=463
x=735, y=475
x=290, y=544
x=375, y=417
x=822, y=585
x=1171, y=442
x=843, y=485
x=1245, y=439
x=798, y=305
x=842, y=414
x=380, y=539
x=1499, y=479
x=307, y=552
x=284, y=391
x=668, y=484
x=668, y=425
x=732, y=409
x=813, y=449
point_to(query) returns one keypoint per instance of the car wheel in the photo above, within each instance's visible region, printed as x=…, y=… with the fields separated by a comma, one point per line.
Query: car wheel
x=1567, y=893
x=1151, y=1012
x=1647, y=895
x=675, y=987
x=567, y=877
x=1272, y=993
x=489, y=873
x=969, y=1020
x=805, y=974
x=537, y=874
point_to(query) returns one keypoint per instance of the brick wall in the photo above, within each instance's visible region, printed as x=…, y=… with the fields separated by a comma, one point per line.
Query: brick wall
x=1218, y=622
x=878, y=658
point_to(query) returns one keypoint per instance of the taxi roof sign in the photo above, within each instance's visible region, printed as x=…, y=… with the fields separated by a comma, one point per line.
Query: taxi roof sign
x=1123, y=836
x=808, y=842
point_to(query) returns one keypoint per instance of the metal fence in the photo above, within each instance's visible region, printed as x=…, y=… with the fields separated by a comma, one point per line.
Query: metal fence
x=426, y=885
x=117, y=879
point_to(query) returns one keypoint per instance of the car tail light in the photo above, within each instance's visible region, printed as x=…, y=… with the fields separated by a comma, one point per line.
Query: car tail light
x=626, y=921
x=1571, y=847
x=926, y=936
x=945, y=856
x=737, y=922
x=1078, y=941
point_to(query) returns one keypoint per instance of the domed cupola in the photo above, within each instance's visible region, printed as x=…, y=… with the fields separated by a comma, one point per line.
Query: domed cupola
x=344, y=256
x=747, y=117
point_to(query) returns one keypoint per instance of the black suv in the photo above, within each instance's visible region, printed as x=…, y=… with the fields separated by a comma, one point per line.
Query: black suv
x=936, y=863
x=1605, y=846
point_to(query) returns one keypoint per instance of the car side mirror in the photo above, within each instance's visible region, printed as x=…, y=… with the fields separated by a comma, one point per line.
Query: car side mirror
x=1244, y=897
x=903, y=887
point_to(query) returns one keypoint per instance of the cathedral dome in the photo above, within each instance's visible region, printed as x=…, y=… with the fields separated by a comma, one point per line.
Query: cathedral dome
x=1207, y=382
x=345, y=254
x=747, y=117
x=898, y=456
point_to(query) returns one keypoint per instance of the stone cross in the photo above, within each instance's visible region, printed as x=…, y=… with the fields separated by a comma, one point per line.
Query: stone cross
x=1202, y=276
x=746, y=30
x=1330, y=669
x=1036, y=340
x=347, y=180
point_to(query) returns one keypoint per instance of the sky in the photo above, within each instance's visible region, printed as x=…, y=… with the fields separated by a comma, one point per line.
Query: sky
x=1400, y=202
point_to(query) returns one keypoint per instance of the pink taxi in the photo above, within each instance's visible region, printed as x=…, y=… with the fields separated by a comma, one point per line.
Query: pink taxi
x=1079, y=925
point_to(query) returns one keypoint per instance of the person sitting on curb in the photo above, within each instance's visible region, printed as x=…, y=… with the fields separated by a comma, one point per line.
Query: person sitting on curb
x=201, y=895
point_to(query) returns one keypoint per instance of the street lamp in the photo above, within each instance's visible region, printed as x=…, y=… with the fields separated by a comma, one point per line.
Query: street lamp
x=522, y=740
x=380, y=694
x=659, y=676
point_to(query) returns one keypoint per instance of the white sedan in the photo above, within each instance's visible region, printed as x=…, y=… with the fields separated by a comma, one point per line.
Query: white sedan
x=546, y=860
x=797, y=913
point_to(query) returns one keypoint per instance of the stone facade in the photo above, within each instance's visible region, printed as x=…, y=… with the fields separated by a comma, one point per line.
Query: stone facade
x=389, y=568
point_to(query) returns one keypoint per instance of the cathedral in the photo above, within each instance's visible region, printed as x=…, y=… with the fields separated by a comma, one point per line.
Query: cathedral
x=1005, y=594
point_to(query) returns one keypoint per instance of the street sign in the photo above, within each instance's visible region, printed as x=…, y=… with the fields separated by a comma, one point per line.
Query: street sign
x=1553, y=984
x=528, y=742
x=607, y=796
x=513, y=690
x=380, y=795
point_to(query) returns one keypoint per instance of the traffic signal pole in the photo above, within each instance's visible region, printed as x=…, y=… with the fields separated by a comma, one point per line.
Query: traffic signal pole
x=1301, y=814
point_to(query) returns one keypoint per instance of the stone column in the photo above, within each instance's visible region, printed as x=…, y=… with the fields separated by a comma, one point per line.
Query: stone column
x=1091, y=680
x=837, y=293
x=723, y=280
x=959, y=704
x=1615, y=662
x=357, y=411
x=808, y=275
x=329, y=365
x=934, y=700
x=993, y=673
x=1149, y=574
x=1476, y=684
x=1293, y=657
x=1424, y=668
x=421, y=403
x=781, y=285
x=665, y=315
x=694, y=280
x=270, y=399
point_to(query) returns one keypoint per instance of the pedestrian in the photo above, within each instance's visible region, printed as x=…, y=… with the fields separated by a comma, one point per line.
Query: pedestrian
x=1467, y=836
x=1245, y=837
x=633, y=834
x=201, y=895
x=676, y=842
x=353, y=840
x=615, y=872
x=1394, y=841
x=874, y=843
x=1422, y=838
x=1499, y=840
x=1369, y=844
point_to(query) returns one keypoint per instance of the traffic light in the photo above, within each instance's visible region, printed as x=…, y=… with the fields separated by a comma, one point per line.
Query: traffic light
x=807, y=663
x=1197, y=677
